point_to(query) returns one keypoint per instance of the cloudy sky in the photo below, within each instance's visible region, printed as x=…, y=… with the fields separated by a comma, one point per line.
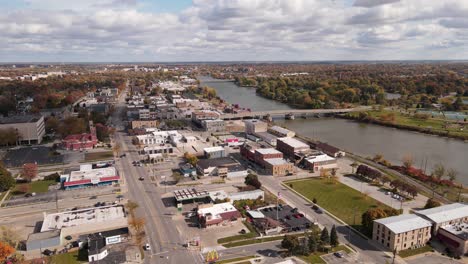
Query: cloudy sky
x=232, y=30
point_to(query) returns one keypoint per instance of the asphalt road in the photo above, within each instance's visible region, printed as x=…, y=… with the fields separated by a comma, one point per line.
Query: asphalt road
x=164, y=238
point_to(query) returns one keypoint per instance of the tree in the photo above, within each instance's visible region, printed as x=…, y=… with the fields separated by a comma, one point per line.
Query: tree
x=368, y=218
x=334, y=237
x=9, y=236
x=439, y=171
x=291, y=243
x=324, y=237
x=177, y=177
x=131, y=206
x=252, y=180
x=312, y=243
x=314, y=200
x=192, y=159
x=137, y=223
x=6, y=180
x=117, y=148
x=431, y=203
x=5, y=251
x=408, y=162
x=452, y=175
x=29, y=171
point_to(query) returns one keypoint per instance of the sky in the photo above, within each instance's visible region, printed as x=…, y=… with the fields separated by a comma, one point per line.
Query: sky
x=232, y=30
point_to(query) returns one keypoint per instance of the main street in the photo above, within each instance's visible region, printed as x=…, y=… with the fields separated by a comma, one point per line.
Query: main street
x=164, y=238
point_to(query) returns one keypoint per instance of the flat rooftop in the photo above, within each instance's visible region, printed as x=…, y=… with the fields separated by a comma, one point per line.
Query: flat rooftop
x=93, y=175
x=266, y=151
x=404, y=223
x=215, y=209
x=86, y=216
x=459, y=230
x=293, y=142
x=189, y=194
x=207, y=163
x=20, y=119
x=445, y=213
x=320, y=158
x=280, y=130
x=276, y=162
x=213, y=149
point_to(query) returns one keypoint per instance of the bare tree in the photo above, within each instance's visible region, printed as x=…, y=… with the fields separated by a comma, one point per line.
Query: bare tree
x=452, y=175
x=439, y=171
x=408, y=161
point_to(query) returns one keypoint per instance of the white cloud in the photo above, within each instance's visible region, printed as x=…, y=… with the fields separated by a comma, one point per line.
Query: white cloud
x=118, y=30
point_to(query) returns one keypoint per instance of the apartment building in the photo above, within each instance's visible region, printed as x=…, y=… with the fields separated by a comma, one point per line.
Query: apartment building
x=401, y=232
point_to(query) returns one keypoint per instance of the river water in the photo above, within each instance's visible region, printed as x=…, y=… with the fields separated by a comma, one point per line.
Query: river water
x=362, y=139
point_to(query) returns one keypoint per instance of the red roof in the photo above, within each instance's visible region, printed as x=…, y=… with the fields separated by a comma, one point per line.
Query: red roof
x=86, y=181
x=110, y=178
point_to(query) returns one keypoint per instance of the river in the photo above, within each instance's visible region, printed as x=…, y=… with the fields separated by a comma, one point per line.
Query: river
x=362, y=139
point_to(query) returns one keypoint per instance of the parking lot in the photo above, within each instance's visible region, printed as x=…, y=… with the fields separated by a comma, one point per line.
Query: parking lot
x=40, y=154
x=332, y=258
x=292, y=219
x=431, y=258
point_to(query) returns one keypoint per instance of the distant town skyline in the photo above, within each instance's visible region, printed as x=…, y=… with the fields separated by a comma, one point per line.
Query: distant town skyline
x=237, y=30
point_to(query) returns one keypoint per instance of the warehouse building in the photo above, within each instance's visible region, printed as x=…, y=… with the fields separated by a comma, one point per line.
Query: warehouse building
x=88, y=177
x=30, y=128
x=291, y=146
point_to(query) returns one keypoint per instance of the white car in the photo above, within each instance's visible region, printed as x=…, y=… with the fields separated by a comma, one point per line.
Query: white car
x=147, y=247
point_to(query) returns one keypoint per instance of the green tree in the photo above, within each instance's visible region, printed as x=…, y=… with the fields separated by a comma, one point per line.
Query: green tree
x=452, y=175
x=431, y=203
x=6, y=180
x=291, y=243
x=439, y=171
x=334, y=237
x=252, y=180
x=325, y=237
x=313, y=243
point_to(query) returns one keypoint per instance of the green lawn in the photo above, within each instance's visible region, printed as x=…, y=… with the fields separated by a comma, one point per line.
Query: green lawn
x=70, y=258
x=35, y=186
x=234, y=260
x=337, y=198
x=104, y=155
x=411, y=252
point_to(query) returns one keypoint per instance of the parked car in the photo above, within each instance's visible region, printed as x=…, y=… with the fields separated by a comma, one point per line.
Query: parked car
x=141, y=178
x=147, y=247
x=319, y=211
x=338, y=254
x=93, y=197
x=243, y=231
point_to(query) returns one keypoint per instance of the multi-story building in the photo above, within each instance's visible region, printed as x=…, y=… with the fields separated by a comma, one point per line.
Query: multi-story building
x=445, y=215
x=144, y=123
x=255, y=126
x=214, y=152
x=278, y=167
x=81, y=141
x=290, y=146
x=262, y=154
x=401, y=232
x=199, y=116
x=216, y=125
x=29, y=128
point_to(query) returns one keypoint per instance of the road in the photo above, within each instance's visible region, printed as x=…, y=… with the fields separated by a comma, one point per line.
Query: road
x=164, y=238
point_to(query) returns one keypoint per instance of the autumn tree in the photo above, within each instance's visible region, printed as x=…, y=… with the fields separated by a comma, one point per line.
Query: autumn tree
x=369, y=216
x=439, y=171
x=131, y=206
x=29, y=171
x=5, y=251
x=190, y=158
x=9, y=236
x=431, y=203
x=117, y=148
x=408, y=162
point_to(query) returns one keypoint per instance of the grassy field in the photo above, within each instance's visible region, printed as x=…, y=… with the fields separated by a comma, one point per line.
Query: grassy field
x=99, y=155
x=70, y=258
x=337, y=198
x=35, y=186
x=412, y=252
x=316, y=259
x=435, y=124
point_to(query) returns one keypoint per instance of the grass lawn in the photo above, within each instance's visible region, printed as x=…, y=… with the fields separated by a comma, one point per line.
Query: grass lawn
x=92, y=156
x=235, y=260
x=315, y=258
x=70, y=258
x=436, y=123
x=35, y=186
x=411, y=252
x=340, y=200
x=252, y=241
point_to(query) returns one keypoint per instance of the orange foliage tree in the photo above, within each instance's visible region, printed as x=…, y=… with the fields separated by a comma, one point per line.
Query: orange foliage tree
x=5, y=251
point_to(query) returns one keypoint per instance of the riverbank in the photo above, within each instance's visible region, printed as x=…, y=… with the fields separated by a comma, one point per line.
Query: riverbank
x=431, y=126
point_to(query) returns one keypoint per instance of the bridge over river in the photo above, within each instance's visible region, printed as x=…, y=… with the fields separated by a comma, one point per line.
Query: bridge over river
x=291, y=113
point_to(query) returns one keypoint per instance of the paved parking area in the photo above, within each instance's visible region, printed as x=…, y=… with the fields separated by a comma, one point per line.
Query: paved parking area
x=431, y=258
x=39, y=154
x=291, y=219
x=330, y=258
